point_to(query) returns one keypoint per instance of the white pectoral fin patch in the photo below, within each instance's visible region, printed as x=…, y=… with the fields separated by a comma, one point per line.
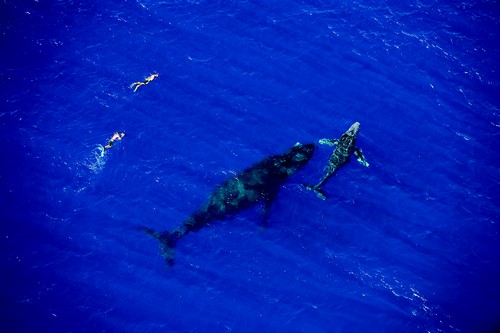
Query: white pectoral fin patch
x=360, y=157
x=329, y=142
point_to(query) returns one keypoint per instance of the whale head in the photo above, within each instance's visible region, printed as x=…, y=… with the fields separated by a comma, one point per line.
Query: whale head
x=353, y=130
x=296, y=157
x=300, y=154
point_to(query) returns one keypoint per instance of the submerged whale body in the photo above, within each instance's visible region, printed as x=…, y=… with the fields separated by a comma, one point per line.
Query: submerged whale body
x=259, y=183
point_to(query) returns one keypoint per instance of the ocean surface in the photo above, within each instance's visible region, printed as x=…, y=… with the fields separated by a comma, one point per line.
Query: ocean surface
x=409, y=244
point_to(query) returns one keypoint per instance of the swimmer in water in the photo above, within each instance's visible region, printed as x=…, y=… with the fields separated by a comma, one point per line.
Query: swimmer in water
x=116, y=136
x=150, y=78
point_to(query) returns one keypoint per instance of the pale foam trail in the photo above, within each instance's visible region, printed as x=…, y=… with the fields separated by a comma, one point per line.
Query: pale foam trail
x=97, y=160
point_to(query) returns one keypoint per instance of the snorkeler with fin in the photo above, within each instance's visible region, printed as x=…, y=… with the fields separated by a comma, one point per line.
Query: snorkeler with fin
x=116, y=136
x=150, y=78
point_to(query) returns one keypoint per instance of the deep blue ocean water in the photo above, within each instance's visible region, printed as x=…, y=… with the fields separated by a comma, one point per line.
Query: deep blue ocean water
x=410, y=244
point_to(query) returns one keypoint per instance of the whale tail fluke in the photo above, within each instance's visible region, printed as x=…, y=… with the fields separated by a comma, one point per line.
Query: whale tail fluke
x=319, y=192
x=167, y=242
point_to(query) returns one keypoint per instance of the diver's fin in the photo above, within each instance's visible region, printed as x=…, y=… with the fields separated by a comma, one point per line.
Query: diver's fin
x=167, y=242
x=101, y=150
x=319, y=192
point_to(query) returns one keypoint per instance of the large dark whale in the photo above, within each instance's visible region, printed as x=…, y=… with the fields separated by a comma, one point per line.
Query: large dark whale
x=346, y=146
x=259, y=183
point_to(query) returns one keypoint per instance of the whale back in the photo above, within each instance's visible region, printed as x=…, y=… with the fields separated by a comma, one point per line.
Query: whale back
x=257, y=183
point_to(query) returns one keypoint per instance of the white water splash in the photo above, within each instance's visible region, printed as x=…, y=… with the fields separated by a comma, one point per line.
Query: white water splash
x=97, y=160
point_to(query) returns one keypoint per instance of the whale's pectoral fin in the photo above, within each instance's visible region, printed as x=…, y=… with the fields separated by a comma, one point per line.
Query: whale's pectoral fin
x=329, y=142
x=360, y=157
x=319, y=192
x=167, y=242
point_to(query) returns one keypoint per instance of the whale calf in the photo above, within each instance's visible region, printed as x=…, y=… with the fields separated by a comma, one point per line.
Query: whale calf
x=259, y=183
x=345, y=146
